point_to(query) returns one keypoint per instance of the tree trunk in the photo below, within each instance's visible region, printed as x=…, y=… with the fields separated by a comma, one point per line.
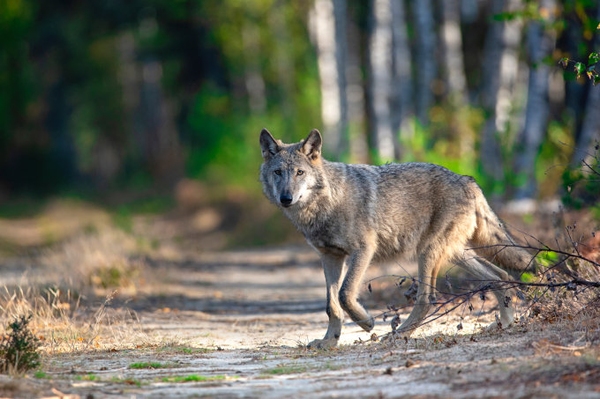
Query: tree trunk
x=163, y=154
x=283, y=61
x=402, y=107
x=589, y=137
x=540, y=43
x=254, y=82
x=452, y=52
x=454, y=75
x=499, y=74
x=328, y=27
x=380, y=68
x=424, y=58
x=355, y=89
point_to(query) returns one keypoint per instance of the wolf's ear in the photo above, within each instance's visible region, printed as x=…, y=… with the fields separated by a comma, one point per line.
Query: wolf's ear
x=311, y=147
x=268, y=144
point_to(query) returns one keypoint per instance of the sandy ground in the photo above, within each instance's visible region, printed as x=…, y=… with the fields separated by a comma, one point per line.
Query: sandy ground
x=235, y=325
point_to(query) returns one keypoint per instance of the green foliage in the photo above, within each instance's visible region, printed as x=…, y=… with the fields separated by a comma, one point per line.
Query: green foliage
x=580, y=68
x=193, y=378
x=148, y=365
x=582, y=184
x=555, y=151
x=528, y=277
x=449, y=141
x=547, y=259
x=19, y=349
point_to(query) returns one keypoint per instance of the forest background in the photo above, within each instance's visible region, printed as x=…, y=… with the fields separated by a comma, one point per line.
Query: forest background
x=119, y=101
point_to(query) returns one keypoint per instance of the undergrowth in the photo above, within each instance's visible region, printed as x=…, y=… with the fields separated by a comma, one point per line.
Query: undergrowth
x=19, y=348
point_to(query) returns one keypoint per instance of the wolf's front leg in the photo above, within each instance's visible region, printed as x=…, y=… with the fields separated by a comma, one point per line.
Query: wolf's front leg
x=358, y=262
x=333, y=265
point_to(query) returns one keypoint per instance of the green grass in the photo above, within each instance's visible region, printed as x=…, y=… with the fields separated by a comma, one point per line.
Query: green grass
x=40, y=375
x=193, y=378
x=149, y=365
x=286, y=369
x=87, y=377
x=186, y=350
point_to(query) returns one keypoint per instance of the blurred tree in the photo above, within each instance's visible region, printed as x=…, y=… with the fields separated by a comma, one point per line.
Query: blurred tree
x=588, y=139
x=111, y=95
x=384, y=141
x=451, y=38
x=402, y=106
x=541, y=38
x=328, y=26
x=500, y=67
x=425, y=58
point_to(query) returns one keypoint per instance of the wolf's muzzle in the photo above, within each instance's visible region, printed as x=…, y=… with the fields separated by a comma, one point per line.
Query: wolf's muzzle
x=286, y=199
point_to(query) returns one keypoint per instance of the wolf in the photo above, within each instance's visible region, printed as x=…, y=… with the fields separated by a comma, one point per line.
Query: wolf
x=353, y=215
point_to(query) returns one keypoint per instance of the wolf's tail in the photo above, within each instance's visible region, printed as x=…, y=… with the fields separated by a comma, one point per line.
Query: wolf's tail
x=493, y=242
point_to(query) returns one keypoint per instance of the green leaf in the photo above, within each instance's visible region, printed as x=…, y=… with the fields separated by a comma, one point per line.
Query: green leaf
x=596, y=80
x=527, y=277
x=579, y=68
x=564, y=62
x=593, y=59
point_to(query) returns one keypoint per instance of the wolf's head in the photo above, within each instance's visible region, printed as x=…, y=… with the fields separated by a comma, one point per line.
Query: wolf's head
x=290, y=173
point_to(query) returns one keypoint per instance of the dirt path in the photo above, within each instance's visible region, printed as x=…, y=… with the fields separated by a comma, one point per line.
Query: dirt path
x=235, y=325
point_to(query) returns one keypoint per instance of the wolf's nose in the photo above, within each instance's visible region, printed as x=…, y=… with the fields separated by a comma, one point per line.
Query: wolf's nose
x=286, y=199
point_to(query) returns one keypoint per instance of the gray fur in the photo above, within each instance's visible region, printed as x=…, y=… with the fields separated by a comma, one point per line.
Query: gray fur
x=355, y=214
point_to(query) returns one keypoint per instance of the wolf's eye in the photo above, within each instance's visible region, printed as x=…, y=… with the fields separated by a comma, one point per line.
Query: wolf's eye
x=277, y=172
x=300, y=172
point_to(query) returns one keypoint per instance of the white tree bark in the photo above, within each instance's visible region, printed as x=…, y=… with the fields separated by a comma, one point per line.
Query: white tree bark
x=499, y=71
x=327, y=26
x=380, y=62
x=402, y=107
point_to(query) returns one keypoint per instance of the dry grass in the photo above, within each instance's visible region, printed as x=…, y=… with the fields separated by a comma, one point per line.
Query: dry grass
x=70, y=294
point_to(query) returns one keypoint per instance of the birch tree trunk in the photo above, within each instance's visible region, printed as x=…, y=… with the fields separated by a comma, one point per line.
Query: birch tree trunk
x=540, y=43
x=328, y=28
x=380, y=68
x=499, y=74
x=402, y=108
x=424, y=58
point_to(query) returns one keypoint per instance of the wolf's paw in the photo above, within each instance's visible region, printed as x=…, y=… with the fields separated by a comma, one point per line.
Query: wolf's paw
x=367, y=325
x=500, y=325
x=325, y=343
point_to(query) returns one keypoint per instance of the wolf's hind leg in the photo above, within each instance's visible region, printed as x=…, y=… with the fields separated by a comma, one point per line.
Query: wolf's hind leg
x=333, y=266
x=429, y=266
x=487, y=271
